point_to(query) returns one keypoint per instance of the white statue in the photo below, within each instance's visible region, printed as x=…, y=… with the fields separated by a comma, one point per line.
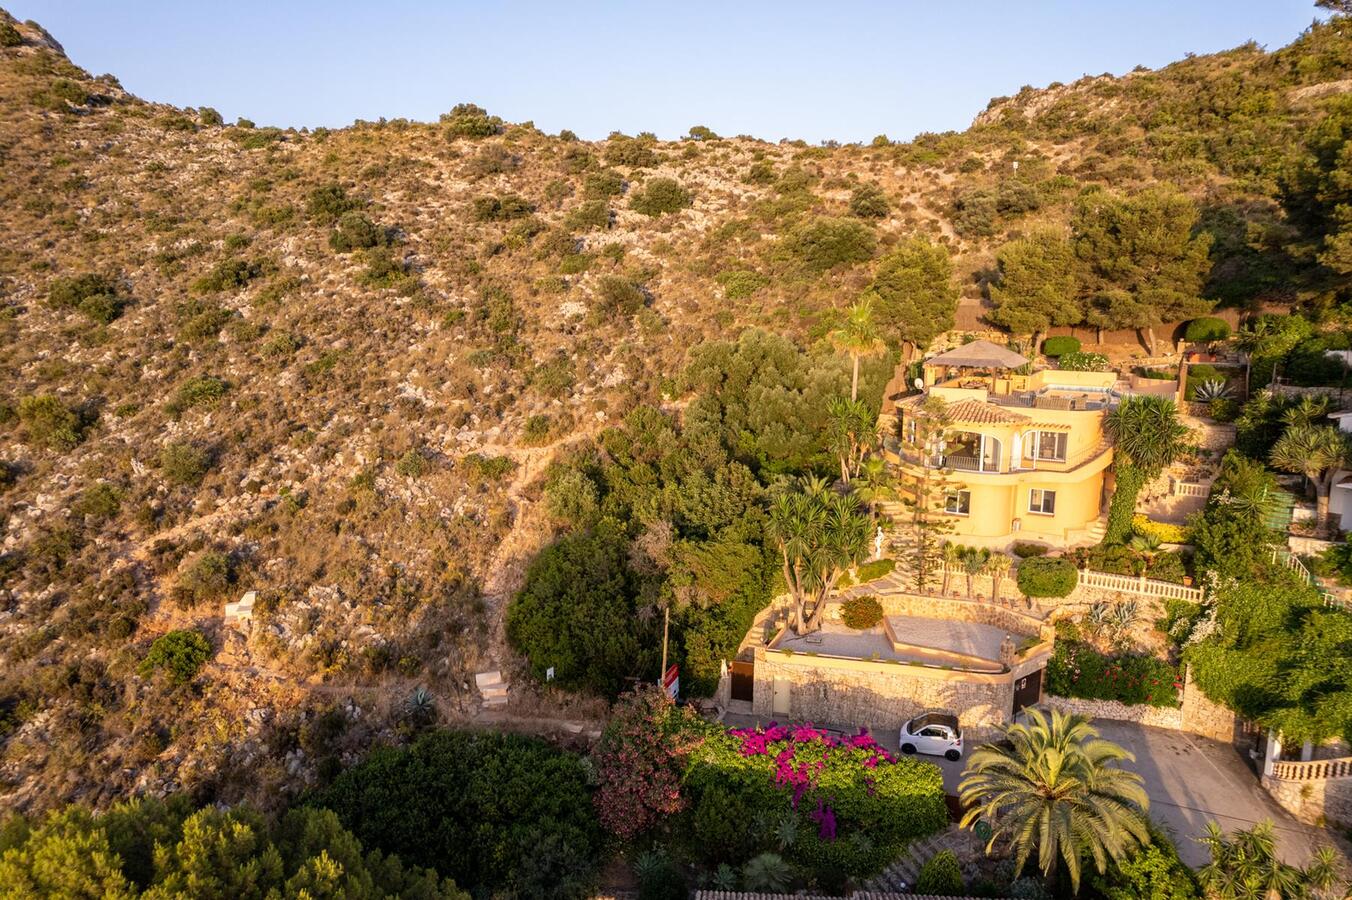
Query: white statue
x=878, y=544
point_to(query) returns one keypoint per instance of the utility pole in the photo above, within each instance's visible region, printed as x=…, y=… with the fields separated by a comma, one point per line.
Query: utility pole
x=666, y=622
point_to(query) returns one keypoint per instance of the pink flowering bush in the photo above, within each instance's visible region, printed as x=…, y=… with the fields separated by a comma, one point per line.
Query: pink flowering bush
x=640, y=759
x=857, y=804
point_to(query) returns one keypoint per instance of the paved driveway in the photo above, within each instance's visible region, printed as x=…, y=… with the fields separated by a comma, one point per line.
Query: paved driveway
x=1190, y=781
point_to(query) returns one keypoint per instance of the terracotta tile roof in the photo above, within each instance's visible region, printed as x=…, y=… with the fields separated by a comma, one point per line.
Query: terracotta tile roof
x=973, y=412
x=857, y=895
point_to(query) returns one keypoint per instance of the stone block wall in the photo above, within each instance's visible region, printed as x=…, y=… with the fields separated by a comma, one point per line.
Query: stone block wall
x=846, y=692
x=961, y=611
x=1154, y=716
x=1204, y=717
x=1317, y=801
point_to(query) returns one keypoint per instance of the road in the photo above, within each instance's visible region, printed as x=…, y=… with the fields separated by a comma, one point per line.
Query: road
x=1190, y=781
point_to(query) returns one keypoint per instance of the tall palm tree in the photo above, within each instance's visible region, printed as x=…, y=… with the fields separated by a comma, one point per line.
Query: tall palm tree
x=1147, y=436
x=1057, y=788
x=997, y=567
x=852, y=432
x=1317, y=452
x=820, y=534
x=859, y=337
x=872, y=483
x=1245, y=865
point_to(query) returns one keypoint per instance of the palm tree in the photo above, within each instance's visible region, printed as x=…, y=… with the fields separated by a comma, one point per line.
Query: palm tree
x=1308, y=410
x=952, y=557
x=859, y=337
x=1147, y=436
x=820, y=534
x=973, y=562
x=872, y=483
x=1057, y=788
x=997, y=567
x=1146, y=547
x=1245, y=865
x=1317, y=452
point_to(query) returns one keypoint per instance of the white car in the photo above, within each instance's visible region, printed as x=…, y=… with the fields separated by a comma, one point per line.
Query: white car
x=936, y=734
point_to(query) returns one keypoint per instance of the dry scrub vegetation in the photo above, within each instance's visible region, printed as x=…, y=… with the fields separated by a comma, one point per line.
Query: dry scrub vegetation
x=329, y=366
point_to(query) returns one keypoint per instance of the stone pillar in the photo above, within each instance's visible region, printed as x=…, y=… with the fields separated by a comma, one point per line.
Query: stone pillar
x=1307, y=751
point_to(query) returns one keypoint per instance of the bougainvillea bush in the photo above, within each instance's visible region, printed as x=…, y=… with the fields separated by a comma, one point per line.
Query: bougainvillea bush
x=640, y=760
x=839, y=807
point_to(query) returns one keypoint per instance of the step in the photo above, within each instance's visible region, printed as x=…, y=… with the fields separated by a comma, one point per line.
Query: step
x=495, y=690
x=486, y=679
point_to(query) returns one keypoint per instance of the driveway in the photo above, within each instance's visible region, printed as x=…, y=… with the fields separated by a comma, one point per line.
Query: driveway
x=1190, y=781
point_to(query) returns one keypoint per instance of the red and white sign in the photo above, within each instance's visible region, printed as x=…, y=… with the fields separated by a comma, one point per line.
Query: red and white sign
x=671, y=682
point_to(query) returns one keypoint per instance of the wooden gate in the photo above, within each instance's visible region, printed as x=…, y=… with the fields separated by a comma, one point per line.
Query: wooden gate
x=1027, y=690
x=743, y=680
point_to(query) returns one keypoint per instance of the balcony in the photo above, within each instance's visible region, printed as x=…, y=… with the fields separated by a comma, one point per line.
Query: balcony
x=967, y=462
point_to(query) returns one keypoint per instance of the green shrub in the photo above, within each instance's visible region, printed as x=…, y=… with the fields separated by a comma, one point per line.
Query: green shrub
x=50, y=423
x=99, y=501
x=592, y=215
x=327, y=203
x=1060, y=345
x=603, y=185
x=761, y=172
x=206, y=579
x=620, y=295
x=741, y=283
x=1205, y=330
x=1078, y=670
x=659, y=196
x=356, y=232
x=181, y=654
x=411, y=465
x=634, y=153
x=201, y=321
x=9, y=35
x=183, y=464
x=1164, y=532
x=209, y=117
x=202, y=390
x=941, y=876
x=497, y=209
x=231, y=274
x=1083, y=362
x=861, y=612
x=93, y=295
x=1047, y=577
x=824, y=244
x=869, y=202
x=503, y=815
x=873, y=570
x=1028, y=549
x=470, y=121
x=491, y=468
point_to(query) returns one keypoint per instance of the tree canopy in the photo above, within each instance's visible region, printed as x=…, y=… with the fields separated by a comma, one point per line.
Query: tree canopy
x=913, y=296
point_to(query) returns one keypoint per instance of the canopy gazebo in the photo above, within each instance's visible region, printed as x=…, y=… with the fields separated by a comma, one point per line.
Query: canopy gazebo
x=980, y=355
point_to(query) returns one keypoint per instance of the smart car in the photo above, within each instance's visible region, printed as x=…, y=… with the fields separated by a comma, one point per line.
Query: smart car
x=935, y=733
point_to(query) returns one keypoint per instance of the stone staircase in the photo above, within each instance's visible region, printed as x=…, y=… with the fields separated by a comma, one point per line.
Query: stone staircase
x=492, y=689
x=902, y=874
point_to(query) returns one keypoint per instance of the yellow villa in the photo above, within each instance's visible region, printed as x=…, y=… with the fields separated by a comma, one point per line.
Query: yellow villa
x=1023, y=457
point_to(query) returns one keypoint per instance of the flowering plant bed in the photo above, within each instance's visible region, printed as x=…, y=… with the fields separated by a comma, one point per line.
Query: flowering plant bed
x=847, y=804
x=1078, y=670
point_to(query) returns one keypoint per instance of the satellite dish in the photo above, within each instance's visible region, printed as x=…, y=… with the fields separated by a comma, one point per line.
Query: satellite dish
x=920, y=384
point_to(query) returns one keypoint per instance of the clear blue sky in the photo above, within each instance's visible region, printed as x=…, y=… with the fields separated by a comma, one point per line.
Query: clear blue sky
x=842, y=70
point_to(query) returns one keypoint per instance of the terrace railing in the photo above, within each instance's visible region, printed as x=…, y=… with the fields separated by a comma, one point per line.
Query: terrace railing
x=1140, y=585
x=1313, y=770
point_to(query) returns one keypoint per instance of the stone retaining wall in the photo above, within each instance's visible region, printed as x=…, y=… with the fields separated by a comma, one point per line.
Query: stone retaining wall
x=1000, y=617
x=1316, y=802
x=1143, y=714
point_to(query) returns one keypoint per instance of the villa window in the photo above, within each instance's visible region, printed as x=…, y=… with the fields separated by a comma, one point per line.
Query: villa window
x=959, y=503
x=1042, y=502
x=1049, y=445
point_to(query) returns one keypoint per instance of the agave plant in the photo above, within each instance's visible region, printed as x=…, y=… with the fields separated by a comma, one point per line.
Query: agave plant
x=786, y=832
x=421, y=707
x=724, y=878
x=1210, y=390
x=767, y=872
x=1120, y=619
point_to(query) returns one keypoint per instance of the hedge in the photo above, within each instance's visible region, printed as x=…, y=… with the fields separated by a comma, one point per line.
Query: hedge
x=1044, y=576
x=1078, y=670
x=1060, y=345
x=1205, y=330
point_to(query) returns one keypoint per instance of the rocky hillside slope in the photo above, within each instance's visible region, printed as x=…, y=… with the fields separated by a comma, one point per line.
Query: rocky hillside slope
x=331, y=366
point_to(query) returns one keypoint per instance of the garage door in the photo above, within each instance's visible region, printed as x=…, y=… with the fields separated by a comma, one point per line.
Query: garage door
x=1027, y=690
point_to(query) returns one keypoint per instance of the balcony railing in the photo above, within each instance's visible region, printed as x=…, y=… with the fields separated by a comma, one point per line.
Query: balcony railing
x=974, y=464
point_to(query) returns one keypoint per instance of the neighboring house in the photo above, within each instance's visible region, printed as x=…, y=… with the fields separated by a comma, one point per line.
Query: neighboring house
x=1026, y=454
x=1340, y=498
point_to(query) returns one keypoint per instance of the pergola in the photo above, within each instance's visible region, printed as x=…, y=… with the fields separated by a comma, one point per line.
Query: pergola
x=982, y=355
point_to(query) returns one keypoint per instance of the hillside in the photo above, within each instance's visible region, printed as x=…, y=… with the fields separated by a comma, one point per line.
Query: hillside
x=334, y=366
